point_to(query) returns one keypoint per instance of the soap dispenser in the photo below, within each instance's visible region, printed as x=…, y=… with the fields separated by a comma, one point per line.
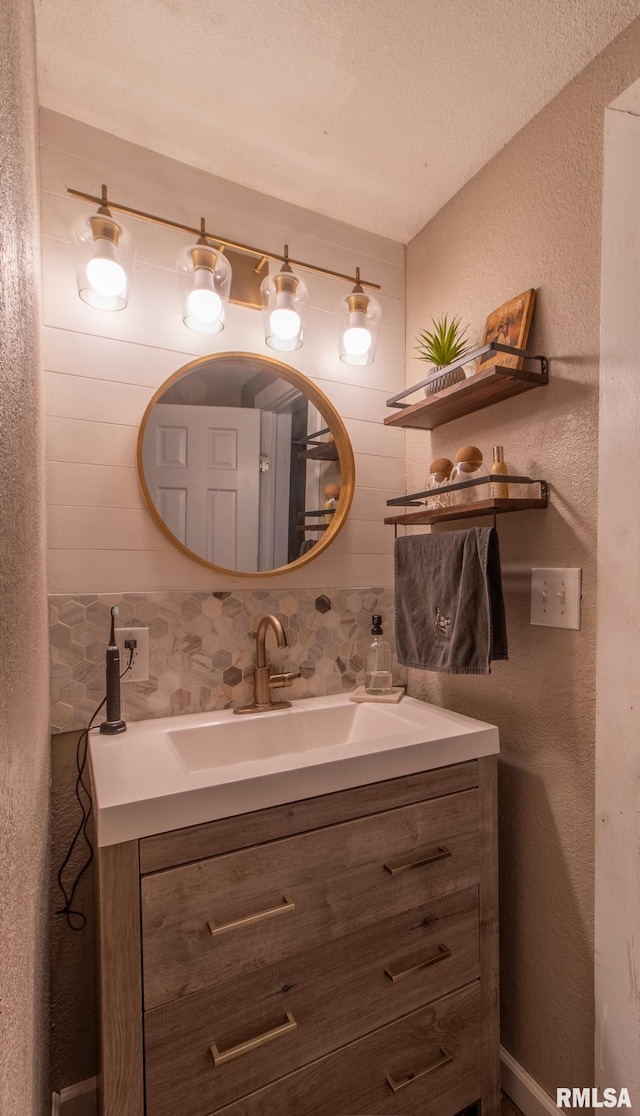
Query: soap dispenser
x=377, y=672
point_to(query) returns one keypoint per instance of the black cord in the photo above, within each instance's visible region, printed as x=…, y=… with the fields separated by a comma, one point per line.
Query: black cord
x=81, y=762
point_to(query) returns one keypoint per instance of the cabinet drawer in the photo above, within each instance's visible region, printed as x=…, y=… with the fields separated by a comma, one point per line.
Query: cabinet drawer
x=334, y=994
x=219, y=918
x=425, y=1064
x=183, y=846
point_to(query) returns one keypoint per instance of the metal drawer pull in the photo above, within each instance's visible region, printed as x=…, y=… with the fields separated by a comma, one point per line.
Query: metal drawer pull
x=396, y=1085
x=396, y=974
x=254, y=1043
x=287, y=904
x=430, y=858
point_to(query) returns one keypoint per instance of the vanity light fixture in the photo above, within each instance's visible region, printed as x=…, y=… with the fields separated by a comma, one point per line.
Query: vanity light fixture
x=360, y=323
x=103, y=281
x=207, y=275
x=285, y=300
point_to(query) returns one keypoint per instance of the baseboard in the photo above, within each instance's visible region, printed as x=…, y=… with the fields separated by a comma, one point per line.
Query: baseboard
x=76, y=1100
x=524, y=1091
x=531, y=1098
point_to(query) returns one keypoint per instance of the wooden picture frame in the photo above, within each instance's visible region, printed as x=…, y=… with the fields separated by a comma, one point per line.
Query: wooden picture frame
x=508, y=325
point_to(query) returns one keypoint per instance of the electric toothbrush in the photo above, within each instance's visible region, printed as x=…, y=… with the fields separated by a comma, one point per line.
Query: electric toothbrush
x=114, y=722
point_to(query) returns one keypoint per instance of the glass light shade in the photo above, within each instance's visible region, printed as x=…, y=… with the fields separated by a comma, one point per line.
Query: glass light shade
x=206, y=275
x=359, y=327
x=285, y=300
x=104, y=260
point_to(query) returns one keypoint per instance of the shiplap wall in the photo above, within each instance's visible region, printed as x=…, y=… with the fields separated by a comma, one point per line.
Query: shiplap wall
x=102, y=368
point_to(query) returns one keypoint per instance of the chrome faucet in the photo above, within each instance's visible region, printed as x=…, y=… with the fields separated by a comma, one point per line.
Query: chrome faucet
x=263, y=679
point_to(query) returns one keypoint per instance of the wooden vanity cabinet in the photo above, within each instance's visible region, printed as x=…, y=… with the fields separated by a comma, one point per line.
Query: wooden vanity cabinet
x=333, y=955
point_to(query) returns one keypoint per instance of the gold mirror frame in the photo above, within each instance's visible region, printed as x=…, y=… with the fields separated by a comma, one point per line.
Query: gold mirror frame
x=336, y=428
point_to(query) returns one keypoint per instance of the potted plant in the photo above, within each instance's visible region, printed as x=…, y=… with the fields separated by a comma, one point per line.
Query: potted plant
x=443, y=345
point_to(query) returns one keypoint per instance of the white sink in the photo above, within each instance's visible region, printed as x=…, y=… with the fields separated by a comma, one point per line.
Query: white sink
x=174, y=772
x=246, y=739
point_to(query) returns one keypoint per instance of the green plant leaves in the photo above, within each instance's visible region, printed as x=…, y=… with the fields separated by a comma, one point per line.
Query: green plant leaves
x=447, y=342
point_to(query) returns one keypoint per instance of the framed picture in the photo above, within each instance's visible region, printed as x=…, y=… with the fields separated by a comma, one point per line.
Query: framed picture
x=508, y=325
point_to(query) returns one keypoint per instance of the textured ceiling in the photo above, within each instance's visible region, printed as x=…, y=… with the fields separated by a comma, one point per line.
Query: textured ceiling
x=374, y=112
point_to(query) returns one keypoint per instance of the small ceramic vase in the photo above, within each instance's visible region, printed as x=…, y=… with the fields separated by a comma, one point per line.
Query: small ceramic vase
x=445, y=381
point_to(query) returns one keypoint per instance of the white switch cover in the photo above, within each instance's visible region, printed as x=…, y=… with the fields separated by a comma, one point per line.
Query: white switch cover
x=140, y=664
x=555, y=597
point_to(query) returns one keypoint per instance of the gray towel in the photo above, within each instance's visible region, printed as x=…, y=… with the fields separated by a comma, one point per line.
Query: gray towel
x=449, y=606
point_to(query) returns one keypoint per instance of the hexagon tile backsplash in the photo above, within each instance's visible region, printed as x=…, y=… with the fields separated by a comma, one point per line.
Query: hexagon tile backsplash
x=202, y=647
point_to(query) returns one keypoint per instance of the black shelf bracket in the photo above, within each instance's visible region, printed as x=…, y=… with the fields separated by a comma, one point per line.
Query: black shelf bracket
x=416, y=499
x=541, y=377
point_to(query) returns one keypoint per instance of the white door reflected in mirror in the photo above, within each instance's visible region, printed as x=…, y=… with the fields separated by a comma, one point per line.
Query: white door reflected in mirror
x=202, y=466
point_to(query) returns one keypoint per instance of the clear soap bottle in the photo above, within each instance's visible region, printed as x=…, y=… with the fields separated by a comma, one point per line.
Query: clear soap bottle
x=377, y=672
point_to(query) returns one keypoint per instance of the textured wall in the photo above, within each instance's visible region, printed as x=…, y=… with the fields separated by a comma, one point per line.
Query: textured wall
x=531, y=218
x=24, y=768
x=74, y=1014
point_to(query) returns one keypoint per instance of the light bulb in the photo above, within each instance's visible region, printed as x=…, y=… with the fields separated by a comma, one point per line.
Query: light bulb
x=284, y=300
x=357, y=341
x=285, y=323
x=357, y=337
x=203, y=302
x=104, y=273
x=360, y=330
x=285, y=319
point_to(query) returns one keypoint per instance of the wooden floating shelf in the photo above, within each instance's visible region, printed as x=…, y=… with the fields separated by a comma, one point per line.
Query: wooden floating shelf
x=478, y=391
x=326, y=452
x=465, y=511
x=312, y=526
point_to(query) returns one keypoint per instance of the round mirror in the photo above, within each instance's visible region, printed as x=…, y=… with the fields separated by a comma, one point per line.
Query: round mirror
x=245, y=464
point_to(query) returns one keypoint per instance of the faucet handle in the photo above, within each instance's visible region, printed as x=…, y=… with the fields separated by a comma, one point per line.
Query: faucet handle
x=284, y=679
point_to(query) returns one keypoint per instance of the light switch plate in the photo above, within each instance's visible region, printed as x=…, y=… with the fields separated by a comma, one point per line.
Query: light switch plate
x=556, y=597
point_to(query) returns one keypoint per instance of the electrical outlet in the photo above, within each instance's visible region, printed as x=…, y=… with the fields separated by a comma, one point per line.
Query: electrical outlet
x=140, y=665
